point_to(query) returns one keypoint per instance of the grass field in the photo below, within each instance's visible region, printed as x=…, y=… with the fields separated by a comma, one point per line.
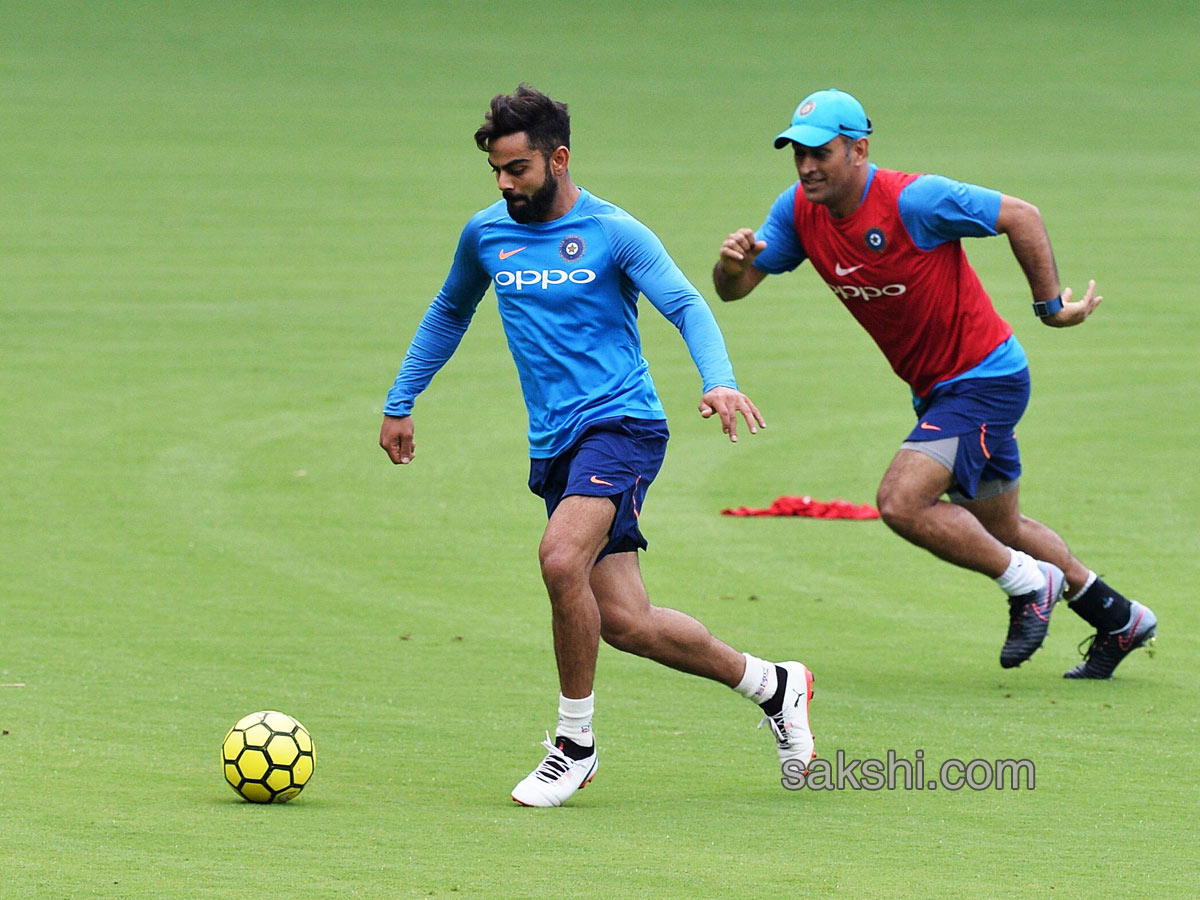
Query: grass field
x=219, y=225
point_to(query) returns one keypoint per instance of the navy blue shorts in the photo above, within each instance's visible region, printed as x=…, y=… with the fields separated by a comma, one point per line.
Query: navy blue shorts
x=614, y=458
x=982, y=413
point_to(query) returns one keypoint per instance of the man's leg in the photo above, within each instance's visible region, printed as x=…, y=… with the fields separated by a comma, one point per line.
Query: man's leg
x=909, y=502
x=1001, y=516
x=1122, y=625
x=574, y=537
x=629, y=622
x=987, y=532
x=576, y=533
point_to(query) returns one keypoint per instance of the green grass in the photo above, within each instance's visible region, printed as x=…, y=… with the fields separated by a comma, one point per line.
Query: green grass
x=220, y=224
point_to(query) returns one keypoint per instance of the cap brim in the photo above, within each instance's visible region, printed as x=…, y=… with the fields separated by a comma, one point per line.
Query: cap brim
x=808, y=135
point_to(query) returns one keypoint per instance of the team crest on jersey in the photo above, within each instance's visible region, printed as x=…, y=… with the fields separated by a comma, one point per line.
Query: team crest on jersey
x=875, y=239
x=571, y=248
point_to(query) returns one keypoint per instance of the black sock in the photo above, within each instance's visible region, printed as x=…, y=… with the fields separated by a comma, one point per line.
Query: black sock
x=774, y=705
x=572, y=749
x=1102, y=607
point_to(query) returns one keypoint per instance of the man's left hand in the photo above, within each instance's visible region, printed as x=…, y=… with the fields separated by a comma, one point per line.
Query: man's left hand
x=727, y=402
x=1073, y=312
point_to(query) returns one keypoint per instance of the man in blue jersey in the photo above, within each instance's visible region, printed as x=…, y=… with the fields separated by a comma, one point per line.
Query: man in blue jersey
x=567, y=269
x=888, y=244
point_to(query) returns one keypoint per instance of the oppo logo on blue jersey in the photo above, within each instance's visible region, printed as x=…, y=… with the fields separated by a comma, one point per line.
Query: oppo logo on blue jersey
x=866, y=291
x=543, y=278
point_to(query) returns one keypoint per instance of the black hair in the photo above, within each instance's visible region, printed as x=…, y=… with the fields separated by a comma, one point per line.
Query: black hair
x=545, y=121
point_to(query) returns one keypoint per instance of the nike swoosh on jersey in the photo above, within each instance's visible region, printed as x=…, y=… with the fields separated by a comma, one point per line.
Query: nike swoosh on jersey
x=596, y=480
x=505, y=254
x=842, y=272
x=929, y=427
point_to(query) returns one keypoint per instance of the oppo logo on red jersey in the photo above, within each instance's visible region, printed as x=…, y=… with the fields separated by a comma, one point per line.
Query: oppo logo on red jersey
x=543, y=278
x=867, y=291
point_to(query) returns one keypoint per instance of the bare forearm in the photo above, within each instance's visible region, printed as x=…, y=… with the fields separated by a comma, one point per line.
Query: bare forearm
x=731, y=287
x=1030, y=244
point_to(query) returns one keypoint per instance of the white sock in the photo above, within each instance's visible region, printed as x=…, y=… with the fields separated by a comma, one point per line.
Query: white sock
x=1022, y=575
x=1091, y=579
x=575, y=719
x=760, y=682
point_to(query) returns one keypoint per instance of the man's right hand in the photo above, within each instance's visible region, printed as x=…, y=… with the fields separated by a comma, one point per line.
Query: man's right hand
x=739, y=251
x=734, y=275
x=396, y=439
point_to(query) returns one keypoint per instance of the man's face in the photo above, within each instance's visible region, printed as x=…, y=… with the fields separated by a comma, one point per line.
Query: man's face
x=523, y=176
x=829, y=174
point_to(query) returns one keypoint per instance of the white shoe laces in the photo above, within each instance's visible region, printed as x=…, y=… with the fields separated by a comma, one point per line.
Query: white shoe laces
x=777, y=727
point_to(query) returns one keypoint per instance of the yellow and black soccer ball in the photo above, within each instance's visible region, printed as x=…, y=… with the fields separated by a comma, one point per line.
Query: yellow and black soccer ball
x=268, y=757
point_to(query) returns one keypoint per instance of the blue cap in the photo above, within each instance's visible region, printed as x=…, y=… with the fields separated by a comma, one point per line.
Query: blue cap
x=822, y=116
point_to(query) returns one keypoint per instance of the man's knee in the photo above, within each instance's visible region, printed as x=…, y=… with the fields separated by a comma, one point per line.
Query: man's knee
x=912, y=485
x=899, y=507
x=561, y=564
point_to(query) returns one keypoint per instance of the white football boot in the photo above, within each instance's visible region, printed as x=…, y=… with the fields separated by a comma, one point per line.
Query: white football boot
x=556, y=778
x=790, y=725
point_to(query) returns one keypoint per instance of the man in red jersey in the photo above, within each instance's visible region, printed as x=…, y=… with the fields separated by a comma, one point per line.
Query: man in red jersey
x=888, y=244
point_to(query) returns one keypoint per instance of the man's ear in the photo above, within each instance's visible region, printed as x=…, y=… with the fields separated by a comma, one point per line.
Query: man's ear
x=559, y=160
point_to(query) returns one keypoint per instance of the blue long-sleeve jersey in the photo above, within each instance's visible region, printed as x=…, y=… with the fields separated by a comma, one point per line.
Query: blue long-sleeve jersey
x=567, y=292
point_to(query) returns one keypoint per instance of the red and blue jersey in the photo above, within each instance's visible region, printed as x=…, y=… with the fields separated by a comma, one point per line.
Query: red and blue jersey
x=898, y=265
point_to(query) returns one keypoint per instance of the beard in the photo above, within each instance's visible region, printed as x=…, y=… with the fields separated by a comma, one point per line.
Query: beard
x=533, y=207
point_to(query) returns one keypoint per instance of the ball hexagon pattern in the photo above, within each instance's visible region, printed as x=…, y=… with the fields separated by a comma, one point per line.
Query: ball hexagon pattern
x=268, y=757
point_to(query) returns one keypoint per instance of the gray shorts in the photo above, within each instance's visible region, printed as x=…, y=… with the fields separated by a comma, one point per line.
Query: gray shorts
x=945, y=451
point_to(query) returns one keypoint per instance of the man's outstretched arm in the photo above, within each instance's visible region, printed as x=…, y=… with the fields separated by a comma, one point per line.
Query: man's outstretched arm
x=1030, y=244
